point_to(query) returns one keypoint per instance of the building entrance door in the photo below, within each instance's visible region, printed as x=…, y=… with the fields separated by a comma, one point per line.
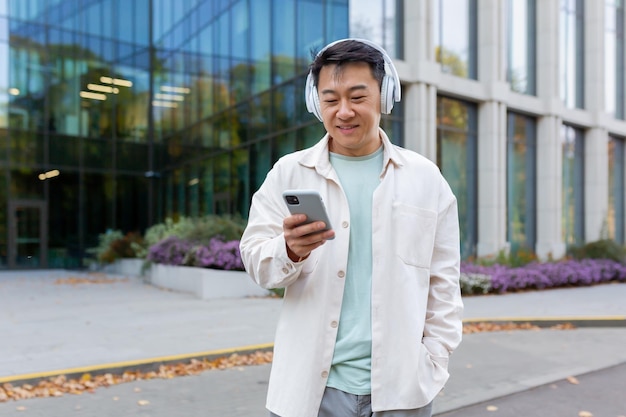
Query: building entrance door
x=28, y=234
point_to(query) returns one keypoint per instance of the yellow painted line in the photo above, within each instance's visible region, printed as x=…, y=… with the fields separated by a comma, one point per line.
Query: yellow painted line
x=556, y=318
x=126, y=364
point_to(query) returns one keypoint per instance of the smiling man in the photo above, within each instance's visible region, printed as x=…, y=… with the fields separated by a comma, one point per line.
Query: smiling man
x=369, y=318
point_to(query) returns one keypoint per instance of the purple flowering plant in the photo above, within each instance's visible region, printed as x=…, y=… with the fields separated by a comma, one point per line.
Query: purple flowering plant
x=217, y=254
x=538, y=275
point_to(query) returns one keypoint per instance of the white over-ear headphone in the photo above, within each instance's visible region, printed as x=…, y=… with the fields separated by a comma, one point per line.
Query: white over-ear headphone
x=389, y=87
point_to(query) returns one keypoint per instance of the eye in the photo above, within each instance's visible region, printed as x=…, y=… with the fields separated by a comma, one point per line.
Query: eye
x=358, y=98
x=330, y=101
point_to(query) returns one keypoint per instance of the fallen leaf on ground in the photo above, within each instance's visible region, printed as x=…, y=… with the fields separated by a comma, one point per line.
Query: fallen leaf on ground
x=573, y=380
x=143, y=402
x=60, y=385
x=83, y=280
x=492, y=408
x=585, y=414
x=486, y=326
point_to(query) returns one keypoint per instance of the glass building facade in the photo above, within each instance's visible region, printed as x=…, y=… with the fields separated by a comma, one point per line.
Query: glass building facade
x=118, y=115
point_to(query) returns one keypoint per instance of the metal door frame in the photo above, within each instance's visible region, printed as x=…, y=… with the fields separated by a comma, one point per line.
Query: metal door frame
x=43, y=231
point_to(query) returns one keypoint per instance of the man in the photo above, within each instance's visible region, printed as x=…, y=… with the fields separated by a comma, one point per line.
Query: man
x=370, y=317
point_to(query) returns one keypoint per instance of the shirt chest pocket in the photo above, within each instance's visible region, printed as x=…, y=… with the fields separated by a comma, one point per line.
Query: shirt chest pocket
x=414, y=234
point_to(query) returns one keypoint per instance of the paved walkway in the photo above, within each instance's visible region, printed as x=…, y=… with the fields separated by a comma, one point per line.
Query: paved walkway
x=51, y=322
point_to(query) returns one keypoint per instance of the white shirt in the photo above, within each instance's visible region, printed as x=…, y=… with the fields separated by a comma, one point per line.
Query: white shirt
x=416, y=299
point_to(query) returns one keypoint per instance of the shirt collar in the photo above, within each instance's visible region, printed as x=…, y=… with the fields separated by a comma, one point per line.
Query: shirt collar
x=318, y=155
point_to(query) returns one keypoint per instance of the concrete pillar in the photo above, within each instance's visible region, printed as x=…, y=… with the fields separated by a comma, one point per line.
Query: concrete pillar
x=420, y=128
x=420, y=90
x=596, y=184
x=492, y=130
x=549, y=188
x=549, y=148
x=491, y=179
x=596, y=138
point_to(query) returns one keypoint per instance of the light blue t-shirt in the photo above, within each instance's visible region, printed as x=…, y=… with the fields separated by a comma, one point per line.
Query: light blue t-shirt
x=351, y=366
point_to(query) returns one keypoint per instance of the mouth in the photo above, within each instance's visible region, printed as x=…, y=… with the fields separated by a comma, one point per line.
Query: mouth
x=347, y=127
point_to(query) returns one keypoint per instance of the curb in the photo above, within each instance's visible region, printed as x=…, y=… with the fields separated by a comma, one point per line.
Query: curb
x=152, y=364
x=144, y=365
x=543, y=322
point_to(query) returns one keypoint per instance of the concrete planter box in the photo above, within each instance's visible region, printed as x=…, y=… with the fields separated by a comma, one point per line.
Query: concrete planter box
x=205, y=283
x=126, y=266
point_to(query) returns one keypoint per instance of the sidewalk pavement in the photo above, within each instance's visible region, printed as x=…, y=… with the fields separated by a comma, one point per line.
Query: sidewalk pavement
x=52, y=323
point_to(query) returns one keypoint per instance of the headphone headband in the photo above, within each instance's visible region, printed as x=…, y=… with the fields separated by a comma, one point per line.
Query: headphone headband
x=390, y=85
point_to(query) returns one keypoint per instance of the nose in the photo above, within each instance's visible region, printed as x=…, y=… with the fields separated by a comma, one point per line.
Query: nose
x=345, y=109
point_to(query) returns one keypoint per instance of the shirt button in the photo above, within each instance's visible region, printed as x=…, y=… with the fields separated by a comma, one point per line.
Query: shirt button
x=325, y=374
x=341, y=274
x=333, y=324
x=285, y=270
x=345, y=224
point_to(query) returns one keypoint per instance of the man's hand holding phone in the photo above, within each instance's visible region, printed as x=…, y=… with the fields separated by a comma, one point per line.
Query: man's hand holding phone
x=302, y=238
x=308, y=227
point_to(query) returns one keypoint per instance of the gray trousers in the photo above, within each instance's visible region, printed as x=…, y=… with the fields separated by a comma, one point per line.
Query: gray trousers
x=336, y=403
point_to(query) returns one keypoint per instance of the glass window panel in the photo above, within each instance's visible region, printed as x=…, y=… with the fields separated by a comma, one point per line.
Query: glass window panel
x=283, y=41
x=64, y=150
x=26, y=148
x=283, y=144
x=99, y=206
x=261, y=163
x=573, y=224
x=142, y=21
x=132, y=157
x=457, y=158
x=337, y=20
x=455, y=32
x=310, y=33
x=131, y=203
x=377, y=21
x=241, y=182
x=260, y=46
x=25, y=183
x=3, y=216
x=572, y=52
x=97, y=153
x=521, y=45
x=521, y=182
x=64, y=192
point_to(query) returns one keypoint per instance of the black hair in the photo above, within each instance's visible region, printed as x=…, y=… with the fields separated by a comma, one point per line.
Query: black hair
x=349, y=51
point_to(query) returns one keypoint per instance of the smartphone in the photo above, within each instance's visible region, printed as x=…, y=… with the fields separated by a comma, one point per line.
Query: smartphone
x=308, y=202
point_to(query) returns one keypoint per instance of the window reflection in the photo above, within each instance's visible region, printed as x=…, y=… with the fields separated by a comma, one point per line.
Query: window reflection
x=521, y=47
x=521, y=182
x=573, y=221
x=457, y=158
x=455, y=32
x=380, y=22
x=199, y=116
x=571, y=61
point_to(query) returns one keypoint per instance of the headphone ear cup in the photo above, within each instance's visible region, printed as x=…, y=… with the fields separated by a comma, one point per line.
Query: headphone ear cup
x=317, y=110
x=312, y=98
x=387, y=87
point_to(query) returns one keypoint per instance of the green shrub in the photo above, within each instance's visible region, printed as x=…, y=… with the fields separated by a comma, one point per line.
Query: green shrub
x=113, y=244
x=197, y=230
x=600, y=249
x=515, y=258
